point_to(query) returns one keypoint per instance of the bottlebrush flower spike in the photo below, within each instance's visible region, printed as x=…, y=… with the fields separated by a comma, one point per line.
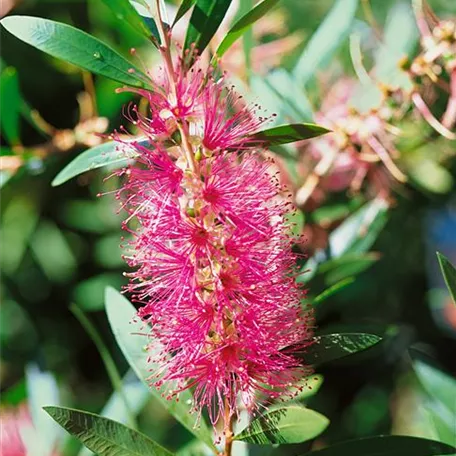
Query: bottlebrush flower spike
x=211, y=254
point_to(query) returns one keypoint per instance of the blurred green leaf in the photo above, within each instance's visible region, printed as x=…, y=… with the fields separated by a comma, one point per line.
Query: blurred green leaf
x=243, y=24
x=74, y=46
x=130, y=337
x=10, y=104
x=326, y=40
x=333, y=290
x=109, y=153
x=306, y=387
x=449, y=274
x=183, y=8
x=104, y=436
x=330, y=347
x=358, y=232
x=204, y=22
x=386, y=445
x=291, y=424
x=430, y=175
x=125, y=11
x=399, y=38
x=284, y=134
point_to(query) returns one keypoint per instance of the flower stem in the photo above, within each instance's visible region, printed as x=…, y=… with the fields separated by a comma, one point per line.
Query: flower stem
x=228, y=430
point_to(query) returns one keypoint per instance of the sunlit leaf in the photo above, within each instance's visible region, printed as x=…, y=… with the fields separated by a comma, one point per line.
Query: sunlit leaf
x=291, y=424
x=109, y=153
x=243, y=24
x=132, y=342
x=183, y=8
x=10, y=103
x=284, y=134
x=333, y=290
x=306, y=387
x=206, y=18
x=330, y=347
x=104, y=436
x=326, y=40
x=74, y=46
x=449, y=274
x=386, y=445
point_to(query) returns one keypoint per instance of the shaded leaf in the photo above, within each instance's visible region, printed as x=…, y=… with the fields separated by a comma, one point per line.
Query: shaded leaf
x=104, y=436
x=74, y=46
x=386, y=445
x=330, y=347
x=109, y=153
x=449, y=274
x=204, y=22
x=10, y=103
x=326, y=40
x=183, y=8
x=243, y=24
x=284, y=134
x=292, y=424
x=333, y=290
x=130, y=337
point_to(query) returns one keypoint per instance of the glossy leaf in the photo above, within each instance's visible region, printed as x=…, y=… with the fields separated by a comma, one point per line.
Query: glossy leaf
x=386, y=445
x=292, y=424
x=104, y=436
x=125, y=11
x=74, y=46
x=284, y=134
x=183, y=8
x=206, y=18
x=330, y=347
x=10, y=103
x=109, y=153
x=449, y=274
x=326, y=40
x=130, y=337
x=307, y=387
x=243, y=24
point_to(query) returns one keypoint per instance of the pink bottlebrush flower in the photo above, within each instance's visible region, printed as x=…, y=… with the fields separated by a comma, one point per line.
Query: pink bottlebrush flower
x=212, y=262
x=11, y=423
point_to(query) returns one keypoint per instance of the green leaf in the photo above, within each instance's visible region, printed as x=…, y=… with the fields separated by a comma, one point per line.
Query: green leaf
x=183, y=8
x=284, y=134
x=104, y=436
x=109, y=153
x=292, y=424
x=437, y=384
x=243, y=24
x=125, y=11
x=358, y=232
x=132, y=342
x=449, y=274
x=333, y=290
x=10, y=103
x=330, y=347
x=326, y=40
x=386, y=445
x=204, y=22
x=74, y=46
x=308, y=387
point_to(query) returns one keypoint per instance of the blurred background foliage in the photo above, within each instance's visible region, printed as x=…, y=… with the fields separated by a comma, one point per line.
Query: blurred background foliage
x=61, y=245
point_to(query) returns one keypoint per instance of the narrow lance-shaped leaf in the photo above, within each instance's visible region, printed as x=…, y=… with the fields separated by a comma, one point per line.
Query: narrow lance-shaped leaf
x=104, y=436
x=328, y=37
x=125, y=11
x=284, y=134
x=292, y=424
x=10, y=103
x=183, y=8
x=333, y=289
x=449, y=274
x=132, y=341
x=386, y=445
x=204, y=22
x=243, y=24
x=74, y=46
x=110, y=153
x=330, y=347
